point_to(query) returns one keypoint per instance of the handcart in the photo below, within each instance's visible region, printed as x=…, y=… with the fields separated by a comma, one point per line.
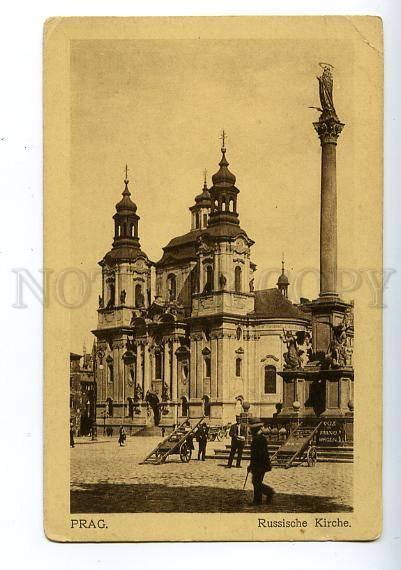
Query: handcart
x=298, y=448
x=178, y=442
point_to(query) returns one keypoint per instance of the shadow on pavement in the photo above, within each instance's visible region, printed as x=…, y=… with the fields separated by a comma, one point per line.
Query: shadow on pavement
x=156, y=498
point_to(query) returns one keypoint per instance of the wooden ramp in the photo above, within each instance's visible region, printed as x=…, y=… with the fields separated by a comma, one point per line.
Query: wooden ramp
x=297, y=448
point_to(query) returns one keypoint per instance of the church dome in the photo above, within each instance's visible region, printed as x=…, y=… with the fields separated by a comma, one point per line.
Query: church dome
x=126, y=206
x=283, y=280
x=204, y=199
x=223, y=177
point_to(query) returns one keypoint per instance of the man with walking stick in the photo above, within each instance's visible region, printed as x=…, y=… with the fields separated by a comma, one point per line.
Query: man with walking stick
x=260, y=462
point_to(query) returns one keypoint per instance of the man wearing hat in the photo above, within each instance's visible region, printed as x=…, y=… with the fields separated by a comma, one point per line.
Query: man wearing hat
x=237, y=434
x=260, y=461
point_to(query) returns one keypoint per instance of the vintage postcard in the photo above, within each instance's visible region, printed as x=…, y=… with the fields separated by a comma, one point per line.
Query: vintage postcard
x=213, y=255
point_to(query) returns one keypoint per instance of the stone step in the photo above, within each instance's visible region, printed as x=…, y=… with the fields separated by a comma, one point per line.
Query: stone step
x=327, y=454
x=320, y=459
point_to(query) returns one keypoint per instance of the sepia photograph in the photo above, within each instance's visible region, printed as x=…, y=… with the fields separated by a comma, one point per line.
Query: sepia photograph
x=217, y=239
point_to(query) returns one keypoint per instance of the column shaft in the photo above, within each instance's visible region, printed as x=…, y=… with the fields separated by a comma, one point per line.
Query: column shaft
x=328, y=221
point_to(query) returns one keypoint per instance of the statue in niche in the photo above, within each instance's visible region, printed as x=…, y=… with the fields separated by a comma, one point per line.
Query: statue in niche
x=138, y=393
x=251, y=285
x=291, y=357
x=101, y=302
x=123, y=296
x=222, y=281
x=165, y=392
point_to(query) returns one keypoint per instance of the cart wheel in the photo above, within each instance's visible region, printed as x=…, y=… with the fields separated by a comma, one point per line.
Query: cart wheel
x=311, y=456
x=185, y=453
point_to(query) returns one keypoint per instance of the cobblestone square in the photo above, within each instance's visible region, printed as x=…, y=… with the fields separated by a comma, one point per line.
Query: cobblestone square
x=106, y=478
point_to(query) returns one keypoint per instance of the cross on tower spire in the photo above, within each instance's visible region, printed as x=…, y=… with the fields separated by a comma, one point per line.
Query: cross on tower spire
x=223, y=138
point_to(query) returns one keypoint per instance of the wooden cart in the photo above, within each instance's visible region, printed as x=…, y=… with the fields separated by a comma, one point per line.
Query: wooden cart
x=179, y=442
x=298, y=448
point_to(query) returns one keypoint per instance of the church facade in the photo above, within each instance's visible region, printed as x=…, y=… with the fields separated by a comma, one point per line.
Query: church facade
x=188, y=335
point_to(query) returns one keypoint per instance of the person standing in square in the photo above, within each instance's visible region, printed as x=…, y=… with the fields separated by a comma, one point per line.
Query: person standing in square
x=237, y=434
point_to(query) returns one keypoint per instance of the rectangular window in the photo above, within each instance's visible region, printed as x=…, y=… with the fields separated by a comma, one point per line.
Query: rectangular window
x=207, y=367
x=270, y=380
x=158, y=366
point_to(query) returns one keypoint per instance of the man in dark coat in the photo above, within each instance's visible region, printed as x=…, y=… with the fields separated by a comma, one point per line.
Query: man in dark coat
x=237, y=434
x=260, y=462
x=201, y=437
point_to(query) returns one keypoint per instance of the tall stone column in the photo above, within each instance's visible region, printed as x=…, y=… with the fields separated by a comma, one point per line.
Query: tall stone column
x=328, y=130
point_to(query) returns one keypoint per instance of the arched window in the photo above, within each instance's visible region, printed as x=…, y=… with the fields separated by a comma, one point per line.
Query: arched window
x=184, y=407
x=206, y=406
x=231, y=205
x=270, y=379
x=139, y=298
x=209, y=279
x=197, y=220
x=172, y=287
x=238, y=279
x=110, y=375
x=109, y=403
x=208, y=367
x=158, y=365
x=111, y=289
x=204, y=220
x=238, y=364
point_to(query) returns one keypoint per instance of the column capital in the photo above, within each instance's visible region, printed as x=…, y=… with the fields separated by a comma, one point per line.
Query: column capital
x=328, y=130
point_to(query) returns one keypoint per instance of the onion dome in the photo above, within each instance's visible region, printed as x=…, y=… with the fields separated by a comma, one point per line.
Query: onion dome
x=126, y=206
x=223, y=177
x=282, y=281
x=224, y=194
x=204, y=199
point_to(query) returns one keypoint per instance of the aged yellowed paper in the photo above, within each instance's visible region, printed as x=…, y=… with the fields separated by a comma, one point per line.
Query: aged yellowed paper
x=213, y=250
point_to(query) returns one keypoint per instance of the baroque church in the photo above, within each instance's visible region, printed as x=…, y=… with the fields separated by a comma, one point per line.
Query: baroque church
x=188, y=335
